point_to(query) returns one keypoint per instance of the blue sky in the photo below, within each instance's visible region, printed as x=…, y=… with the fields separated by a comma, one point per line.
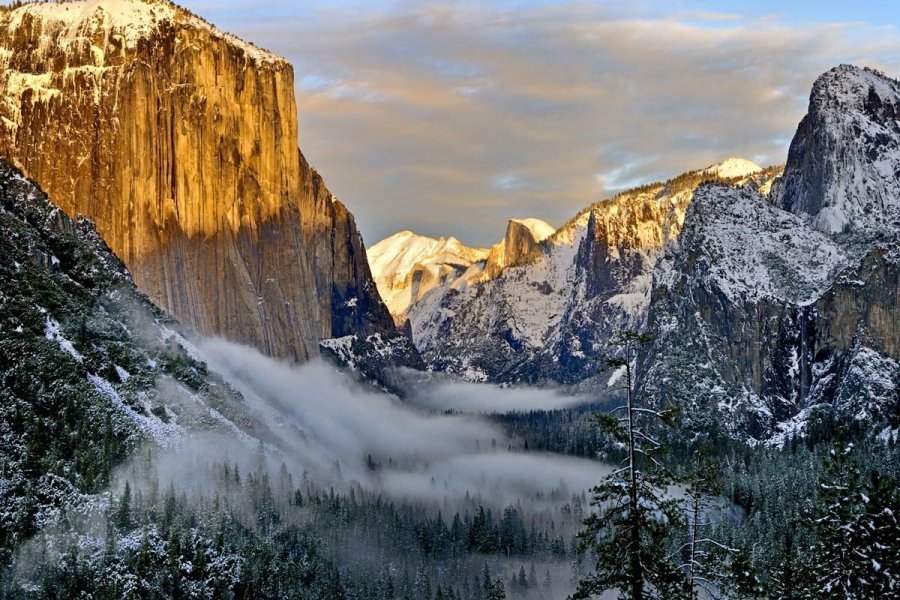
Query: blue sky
x=449, y=117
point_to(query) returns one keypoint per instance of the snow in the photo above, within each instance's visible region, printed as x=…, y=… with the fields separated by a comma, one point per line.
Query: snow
x=616, y=376
x=53, y=332
x=793, y=427
x=71, y=23
x=753, y=250
x=132, y=19
x=406, y=266
x=164, y=434
x=733, y=168
x=123, y=374
x=126, y=20
x=375, y=344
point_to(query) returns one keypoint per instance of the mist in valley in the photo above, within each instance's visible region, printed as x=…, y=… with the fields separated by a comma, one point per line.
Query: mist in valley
x=308, y=437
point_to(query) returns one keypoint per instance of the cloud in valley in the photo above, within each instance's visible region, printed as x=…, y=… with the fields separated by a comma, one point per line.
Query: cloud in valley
x=479, y=398
x=316, y=417
x=450, y=117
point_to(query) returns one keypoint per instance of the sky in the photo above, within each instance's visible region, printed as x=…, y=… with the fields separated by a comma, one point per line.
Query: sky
x=449, y=117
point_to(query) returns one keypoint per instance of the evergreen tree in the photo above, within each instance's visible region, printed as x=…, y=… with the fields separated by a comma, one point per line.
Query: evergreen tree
x=836, y=568
x=703, y=555
x=785, y=580
x=123, y=512
x=630, y=534
x=878, y=538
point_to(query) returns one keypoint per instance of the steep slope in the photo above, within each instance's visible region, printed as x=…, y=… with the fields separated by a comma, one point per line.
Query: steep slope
x=771, y=322
x=843, y=169
x=89, y=367
x=518, y=246
x=544, y=317
x=406, y=266
x=180, y=142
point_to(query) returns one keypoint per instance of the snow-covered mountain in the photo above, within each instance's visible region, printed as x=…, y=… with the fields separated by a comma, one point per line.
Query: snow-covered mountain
x=544, y=301
x=774, y=300
x=406, y=266
x=770, y=320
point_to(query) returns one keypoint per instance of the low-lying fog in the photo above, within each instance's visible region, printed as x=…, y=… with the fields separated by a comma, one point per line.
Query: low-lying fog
x=337, y=432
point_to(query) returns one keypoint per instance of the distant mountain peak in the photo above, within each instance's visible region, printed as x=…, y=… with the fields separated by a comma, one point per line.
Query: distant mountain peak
x=541, y=230
x=733, y=167
x=406, y=266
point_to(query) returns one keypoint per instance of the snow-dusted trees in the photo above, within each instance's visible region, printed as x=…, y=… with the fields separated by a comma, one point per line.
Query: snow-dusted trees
x=856, y=526
x=629, y=535
x=703, y=556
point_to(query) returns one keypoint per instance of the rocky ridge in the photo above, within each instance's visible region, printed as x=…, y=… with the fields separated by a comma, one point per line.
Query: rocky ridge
x=774, y=316
x=542, y=318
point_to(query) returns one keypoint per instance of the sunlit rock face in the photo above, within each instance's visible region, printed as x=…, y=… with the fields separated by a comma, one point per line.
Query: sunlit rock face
x=180, y=142
x=518, y=247
x=543, y=303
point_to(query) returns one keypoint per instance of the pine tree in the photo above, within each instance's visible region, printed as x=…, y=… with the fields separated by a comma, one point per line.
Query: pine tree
x=836, y=568
x=785, y=580
x=629, y=535
x=877, y=539
x=703, y=555
x=123, y=512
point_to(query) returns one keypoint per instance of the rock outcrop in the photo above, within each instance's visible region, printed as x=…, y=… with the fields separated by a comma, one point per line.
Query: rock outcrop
x=843, y=169
x=180, y=142
x=770, y=321
x=518, y=247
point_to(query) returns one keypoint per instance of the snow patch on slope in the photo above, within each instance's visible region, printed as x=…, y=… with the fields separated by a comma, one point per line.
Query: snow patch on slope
x=164, y=434
x=53, y=332
x=754, y=250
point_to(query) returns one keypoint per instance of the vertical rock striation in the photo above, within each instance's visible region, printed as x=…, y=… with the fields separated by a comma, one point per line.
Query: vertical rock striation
x=180, y=142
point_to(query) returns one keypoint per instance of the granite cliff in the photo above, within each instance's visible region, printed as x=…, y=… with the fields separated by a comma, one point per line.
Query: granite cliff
x=180, y=142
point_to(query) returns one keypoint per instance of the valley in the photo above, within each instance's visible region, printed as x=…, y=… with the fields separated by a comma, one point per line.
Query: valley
x=210, y=387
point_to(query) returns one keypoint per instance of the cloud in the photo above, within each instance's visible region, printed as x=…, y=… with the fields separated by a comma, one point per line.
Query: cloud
x=480, y=398
x=316, y=418
x=450, y=118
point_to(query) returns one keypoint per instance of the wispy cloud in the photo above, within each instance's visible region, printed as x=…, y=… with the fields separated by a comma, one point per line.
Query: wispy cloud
x=449, y=118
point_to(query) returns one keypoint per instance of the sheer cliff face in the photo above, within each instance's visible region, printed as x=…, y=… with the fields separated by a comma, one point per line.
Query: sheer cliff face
x=843, y=169
x=180, y=142
x=518, y=247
